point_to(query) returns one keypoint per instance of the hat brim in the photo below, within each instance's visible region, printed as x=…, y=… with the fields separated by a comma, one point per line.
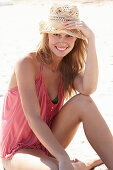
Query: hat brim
x=46, y=27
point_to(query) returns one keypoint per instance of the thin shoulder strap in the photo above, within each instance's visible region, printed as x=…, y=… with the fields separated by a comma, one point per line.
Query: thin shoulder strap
x=41, y=67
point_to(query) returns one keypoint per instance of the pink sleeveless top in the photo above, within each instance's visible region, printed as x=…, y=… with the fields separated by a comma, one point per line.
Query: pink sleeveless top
x=15, y=131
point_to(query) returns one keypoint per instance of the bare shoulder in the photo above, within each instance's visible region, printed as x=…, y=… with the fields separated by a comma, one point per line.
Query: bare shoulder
x=28, y=65
x=27, y=62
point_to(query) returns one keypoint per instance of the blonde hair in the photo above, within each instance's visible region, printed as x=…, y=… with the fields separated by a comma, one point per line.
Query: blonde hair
x=72, y=64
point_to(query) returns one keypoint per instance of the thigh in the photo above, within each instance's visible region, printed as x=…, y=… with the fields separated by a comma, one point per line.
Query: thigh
x=27, y=159
x=66, y=122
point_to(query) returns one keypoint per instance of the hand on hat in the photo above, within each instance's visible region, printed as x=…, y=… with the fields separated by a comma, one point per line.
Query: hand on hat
x=79, y=25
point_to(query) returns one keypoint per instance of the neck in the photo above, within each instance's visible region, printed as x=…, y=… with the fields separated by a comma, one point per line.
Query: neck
x=54, y=66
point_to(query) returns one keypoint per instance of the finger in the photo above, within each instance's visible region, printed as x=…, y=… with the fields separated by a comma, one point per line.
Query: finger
x=73, y=21
x=73, y=26
x=70, y=25
x=70, y=18
x=67, y=23
x=77, y=24
x=76, y=160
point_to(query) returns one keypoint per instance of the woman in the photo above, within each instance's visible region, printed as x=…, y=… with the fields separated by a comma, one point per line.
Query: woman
x=36, y=126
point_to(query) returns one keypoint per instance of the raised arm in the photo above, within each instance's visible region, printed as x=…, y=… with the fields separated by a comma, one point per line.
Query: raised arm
x=25, y=75
x=86, y=82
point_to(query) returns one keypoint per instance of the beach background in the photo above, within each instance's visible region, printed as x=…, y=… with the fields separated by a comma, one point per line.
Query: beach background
x=19, y=35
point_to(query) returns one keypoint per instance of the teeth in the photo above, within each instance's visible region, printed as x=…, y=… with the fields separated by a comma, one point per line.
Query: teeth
x=61, y=49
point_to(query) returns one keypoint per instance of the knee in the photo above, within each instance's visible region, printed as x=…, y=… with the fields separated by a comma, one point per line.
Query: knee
x=82, y=101
x=87, y=100
x=82, y=105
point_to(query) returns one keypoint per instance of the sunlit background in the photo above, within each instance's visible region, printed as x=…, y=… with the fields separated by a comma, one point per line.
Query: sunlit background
x=19, y=35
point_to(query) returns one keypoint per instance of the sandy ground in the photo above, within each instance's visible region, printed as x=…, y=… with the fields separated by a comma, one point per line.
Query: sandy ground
x=19, y=35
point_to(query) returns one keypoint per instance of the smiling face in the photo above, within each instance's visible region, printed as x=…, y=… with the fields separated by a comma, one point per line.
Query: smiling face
x=61, y=44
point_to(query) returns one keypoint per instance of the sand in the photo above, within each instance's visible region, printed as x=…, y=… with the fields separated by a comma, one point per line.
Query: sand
x=19, y=34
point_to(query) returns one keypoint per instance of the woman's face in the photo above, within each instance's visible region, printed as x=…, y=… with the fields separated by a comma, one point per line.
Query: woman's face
x=61, y=44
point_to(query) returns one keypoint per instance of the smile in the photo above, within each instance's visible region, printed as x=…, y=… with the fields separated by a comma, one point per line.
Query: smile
x=61, y=49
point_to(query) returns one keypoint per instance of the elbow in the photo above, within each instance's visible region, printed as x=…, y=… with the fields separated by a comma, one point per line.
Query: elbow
x=89, y=91
x=90, y=88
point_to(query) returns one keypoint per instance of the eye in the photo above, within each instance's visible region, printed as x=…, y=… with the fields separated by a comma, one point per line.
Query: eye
x=56, y=34
x=69, y=35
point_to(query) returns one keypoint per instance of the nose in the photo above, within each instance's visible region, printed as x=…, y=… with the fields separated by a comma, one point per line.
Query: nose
x=62, y=42
x=62, y=38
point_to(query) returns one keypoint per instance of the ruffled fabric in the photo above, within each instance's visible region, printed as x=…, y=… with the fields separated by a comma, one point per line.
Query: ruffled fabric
x=15, y=131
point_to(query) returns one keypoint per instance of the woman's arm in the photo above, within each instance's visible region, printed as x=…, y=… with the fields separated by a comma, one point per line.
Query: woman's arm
x=90, y=78
x=25, y=75
x=86, y=82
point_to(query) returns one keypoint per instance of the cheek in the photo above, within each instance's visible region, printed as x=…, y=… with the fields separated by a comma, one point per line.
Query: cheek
x=51, y=42
x=72, y=42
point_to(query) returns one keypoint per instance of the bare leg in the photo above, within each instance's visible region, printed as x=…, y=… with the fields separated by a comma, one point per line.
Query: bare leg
x=27, y=159
x=78, y=109
x=64, y=127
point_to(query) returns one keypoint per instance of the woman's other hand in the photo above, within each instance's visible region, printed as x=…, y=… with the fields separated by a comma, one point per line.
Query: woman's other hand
x=65, y=165
x=79, y=25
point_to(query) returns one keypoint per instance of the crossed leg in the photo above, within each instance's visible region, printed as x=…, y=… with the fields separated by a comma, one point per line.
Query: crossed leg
x=78, y=109
x=81, y=108
x=27, y=159
x=30, y=159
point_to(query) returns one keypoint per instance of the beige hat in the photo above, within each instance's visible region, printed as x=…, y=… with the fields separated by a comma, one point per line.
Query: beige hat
x=56, y=18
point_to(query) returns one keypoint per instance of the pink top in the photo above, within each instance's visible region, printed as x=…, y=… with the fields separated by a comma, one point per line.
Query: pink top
x=15, y=131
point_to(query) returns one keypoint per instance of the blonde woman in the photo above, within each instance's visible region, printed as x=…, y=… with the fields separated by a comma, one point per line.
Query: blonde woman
x=36, y=124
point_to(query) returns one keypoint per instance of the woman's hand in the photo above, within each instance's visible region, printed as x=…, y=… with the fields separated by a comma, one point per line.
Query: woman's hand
x=65, y=165
x=79, y=25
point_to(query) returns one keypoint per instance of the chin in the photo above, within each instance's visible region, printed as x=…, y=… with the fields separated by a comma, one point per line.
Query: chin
x=61, y=54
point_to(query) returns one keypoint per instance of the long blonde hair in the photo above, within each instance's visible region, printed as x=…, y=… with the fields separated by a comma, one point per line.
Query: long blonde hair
x=72, y=64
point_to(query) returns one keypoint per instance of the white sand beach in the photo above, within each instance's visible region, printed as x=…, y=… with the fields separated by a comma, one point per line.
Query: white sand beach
x=19, y=34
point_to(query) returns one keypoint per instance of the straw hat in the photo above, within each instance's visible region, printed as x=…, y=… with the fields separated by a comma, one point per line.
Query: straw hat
x=54, y=23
